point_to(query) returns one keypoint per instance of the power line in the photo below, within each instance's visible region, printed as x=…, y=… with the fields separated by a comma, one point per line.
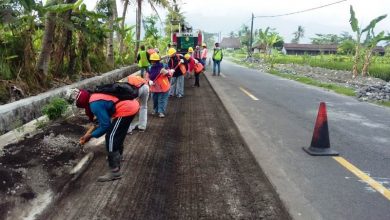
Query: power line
x=298, y=12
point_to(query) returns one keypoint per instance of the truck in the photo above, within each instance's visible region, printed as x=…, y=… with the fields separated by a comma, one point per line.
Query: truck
x=185, y=37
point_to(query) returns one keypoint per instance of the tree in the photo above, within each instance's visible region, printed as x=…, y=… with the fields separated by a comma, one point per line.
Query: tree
x=163, y=3
x=371, y=45
x=267, y=39
x=62, y=42
x=370, y=38
x=245, y=36
x=47, y=44
x=113, y=17
x=122, y=27
x=326, y=39
x=173, y=19
x=346, y=47
x=300, y=33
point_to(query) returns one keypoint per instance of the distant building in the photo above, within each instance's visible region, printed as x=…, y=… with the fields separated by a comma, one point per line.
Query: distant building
x=310, y=49
x=317, y=49
x=230, y=43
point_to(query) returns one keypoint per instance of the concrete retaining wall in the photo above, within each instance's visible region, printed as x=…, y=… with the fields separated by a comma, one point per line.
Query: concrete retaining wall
x=17, y=113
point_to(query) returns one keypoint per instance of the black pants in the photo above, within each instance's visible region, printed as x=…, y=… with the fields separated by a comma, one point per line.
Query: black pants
x=115, y=137
x=197, y=79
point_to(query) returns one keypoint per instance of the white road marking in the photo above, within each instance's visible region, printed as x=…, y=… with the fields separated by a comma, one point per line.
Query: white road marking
x=249, y=94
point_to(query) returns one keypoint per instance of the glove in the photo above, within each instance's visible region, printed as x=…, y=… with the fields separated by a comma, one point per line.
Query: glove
x=151, y=83
x=196, y=61
x=171, y=71
x=181, y=61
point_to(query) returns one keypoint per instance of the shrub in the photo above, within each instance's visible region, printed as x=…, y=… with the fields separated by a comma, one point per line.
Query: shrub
x=55, y=108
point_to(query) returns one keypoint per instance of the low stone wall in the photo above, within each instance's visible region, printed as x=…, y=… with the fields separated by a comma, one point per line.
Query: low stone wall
x=15, y=114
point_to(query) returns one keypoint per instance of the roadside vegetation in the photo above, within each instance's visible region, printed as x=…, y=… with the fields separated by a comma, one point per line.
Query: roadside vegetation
x=48, y=45
x=379, y=68
x=357, y=54
x=354, y=53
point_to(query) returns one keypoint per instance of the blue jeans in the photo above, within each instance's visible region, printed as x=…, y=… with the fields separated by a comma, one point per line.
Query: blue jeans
x=143, y=69
x=217, y=63
x=177, y=86
x=203, y=62
x=160, y=101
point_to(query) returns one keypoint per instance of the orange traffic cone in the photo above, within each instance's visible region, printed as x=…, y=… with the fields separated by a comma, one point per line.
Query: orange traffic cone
x=320, y=145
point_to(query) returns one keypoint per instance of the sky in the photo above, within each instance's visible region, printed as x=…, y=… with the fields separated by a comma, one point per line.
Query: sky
x=229, y=15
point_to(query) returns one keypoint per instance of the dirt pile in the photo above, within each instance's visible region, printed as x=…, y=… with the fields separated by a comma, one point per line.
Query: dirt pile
x=37, y=165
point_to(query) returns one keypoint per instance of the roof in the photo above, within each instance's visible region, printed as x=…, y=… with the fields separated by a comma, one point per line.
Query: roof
x=310, y=47
x=320, y=47
x=230, y=42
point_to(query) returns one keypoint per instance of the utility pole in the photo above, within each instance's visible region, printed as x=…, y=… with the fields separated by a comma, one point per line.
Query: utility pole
x=251, y=39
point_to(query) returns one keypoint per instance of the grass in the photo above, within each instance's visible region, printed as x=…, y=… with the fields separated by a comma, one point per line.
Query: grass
x=384, y=103
x=309, y=81
x=306, y=80
x=379, y=68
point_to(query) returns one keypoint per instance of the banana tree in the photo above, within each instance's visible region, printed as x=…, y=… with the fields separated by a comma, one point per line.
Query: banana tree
x=51, y=8
x=355, y=28
x=371, y=45
x=268, y=39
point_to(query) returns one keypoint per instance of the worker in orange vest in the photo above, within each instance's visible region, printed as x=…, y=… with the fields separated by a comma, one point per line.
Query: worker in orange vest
x=190, y=65
x=106, y=107
x=159, y=81
x=204, y=55
x=143, y=96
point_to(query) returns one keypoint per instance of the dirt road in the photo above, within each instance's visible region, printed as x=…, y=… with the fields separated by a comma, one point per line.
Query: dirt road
x=193, y=164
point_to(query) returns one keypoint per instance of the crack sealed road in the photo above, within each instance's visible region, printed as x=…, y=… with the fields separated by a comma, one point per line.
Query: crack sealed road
x=193, y=164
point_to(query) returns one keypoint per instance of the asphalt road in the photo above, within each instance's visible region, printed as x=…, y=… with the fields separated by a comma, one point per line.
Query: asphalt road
x=281, y=122
x=193, y=164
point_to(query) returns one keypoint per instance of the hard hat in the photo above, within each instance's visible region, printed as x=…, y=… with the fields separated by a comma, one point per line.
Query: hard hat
x=187, y=56
x=190, y=50
x=204, y=45
x=171, y=51
x=155, y=57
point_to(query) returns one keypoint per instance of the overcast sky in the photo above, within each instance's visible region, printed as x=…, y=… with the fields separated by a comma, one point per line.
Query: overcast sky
x=229, y=15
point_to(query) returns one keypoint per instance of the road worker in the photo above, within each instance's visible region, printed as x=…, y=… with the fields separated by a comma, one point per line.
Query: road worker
x=159, y=78
x=203, y=55
x=176, y=62
x=190, y=65
x=198, y=53
x=217, y=59
x=114, y=118
x=143, y=60
x=143, y=96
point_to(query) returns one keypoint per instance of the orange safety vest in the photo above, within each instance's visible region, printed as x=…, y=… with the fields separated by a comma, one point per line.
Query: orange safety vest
x=160, y=84
x=122, y=108
x=136, y=81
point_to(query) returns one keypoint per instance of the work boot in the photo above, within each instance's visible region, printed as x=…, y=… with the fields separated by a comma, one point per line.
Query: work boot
x=110, y=176
x=161, y=115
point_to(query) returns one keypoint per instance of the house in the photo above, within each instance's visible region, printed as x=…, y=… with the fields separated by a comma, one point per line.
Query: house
x=310, y=49
x=230, y=43
x=258, y=48
x=317, y=49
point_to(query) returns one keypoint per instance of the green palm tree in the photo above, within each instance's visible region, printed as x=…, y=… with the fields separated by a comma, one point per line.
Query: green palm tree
x=298, y=34
x=153, y=4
